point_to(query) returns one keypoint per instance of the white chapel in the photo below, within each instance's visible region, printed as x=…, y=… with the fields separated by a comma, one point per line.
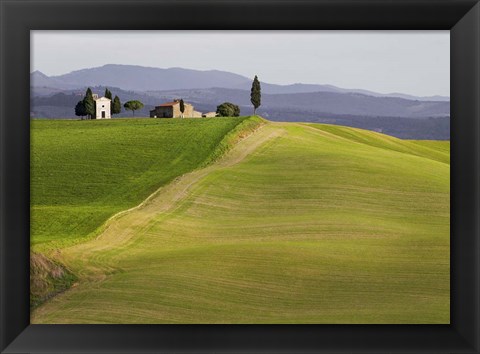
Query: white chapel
x=102, y=107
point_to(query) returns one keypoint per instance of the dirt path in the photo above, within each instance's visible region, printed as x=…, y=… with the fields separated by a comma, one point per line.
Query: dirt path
x=91, y=260
x=122, y=229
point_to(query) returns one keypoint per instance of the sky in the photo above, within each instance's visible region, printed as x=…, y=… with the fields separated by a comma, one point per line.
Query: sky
x=411, y=62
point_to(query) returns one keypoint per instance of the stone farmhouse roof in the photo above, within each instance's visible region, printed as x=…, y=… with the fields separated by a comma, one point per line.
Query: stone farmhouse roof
x=168, y=104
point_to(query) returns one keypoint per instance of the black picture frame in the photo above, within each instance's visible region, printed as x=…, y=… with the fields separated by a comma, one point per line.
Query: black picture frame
x=18, y=17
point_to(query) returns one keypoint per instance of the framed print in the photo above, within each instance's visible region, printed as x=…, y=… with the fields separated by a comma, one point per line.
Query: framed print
x=228, y=176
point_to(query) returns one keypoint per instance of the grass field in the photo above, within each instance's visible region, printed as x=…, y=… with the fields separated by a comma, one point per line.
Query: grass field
x=298, y=223
x=83, y=172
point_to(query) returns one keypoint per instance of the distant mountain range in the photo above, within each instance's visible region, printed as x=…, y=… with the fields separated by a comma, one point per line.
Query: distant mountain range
x=140, y=78
x=397, y=114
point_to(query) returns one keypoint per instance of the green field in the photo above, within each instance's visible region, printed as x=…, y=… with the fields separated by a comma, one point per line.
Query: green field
x=83, y=172
x=298, y=223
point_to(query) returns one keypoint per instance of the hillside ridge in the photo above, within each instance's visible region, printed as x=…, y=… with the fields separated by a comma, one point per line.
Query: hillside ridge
x=383, y=141
x=289, y=221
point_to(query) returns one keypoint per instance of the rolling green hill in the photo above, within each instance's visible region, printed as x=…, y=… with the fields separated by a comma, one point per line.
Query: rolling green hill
x=83, y=172
x=298, y=223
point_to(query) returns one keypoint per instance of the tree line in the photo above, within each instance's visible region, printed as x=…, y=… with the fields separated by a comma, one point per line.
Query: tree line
x=87, y=107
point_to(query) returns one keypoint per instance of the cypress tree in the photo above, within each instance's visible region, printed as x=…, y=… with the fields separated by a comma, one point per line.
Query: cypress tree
x=255, y=94
x=89, y=103
x=182, y=106
x=116, y=106
x=108, y=95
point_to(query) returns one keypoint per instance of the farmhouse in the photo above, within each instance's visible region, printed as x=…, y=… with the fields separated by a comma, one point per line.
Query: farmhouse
x=102, y=105
x=172, y=110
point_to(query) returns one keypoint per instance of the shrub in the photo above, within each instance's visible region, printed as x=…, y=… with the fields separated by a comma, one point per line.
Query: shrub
x=228, y=109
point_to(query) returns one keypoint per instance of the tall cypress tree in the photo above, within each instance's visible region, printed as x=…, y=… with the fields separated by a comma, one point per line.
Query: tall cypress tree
x=182, y=106
x=255, y=94
x=89, y=103
x=108, y=95
x=116, y=105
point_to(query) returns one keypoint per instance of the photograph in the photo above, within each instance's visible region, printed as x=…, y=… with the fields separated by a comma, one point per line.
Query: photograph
x=240, y=177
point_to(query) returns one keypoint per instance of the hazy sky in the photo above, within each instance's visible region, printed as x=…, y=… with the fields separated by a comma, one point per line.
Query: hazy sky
x=412, y=62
